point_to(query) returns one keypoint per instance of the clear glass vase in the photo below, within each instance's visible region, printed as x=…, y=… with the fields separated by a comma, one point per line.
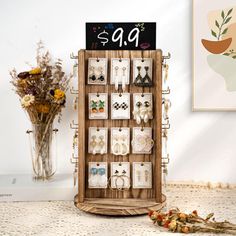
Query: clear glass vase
x=43, y=150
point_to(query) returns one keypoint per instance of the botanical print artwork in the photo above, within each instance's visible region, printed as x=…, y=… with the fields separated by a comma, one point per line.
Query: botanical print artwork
x=214, y=55
x=223, y=50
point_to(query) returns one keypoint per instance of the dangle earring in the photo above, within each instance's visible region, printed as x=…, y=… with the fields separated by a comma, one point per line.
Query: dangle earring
x=101, y=144
x=146, y=175
x=146, y=81
x=93, y=144
x=123, y=145
x=138, y=173
x=167, y=105
x=116, y=146
x=101, y=76
x=92, y=75
x=138, y=79
x=116, y=78
x=123, y=79
x=136, y=112
x=166, y=69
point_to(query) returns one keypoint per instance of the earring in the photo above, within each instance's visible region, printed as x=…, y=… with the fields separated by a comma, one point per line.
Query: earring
x=116, y=146
x=167, y=105
x=136, y=112
x=116, y=105
x=101, y=77
x=146, y=81
x=146, y=175
x=101, y=105
x=123, y=79
x=116, y=79
x=93, y=144
x=94, y=106
x=166, y=69
x=138, y=173
x=146, y=112
x=101, y=144
x=124, y=147
x=92, y=76
x=138, y=79
x=124, y=106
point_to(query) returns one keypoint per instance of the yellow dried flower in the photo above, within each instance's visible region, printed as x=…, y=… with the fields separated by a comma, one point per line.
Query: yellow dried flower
x=59, y=94
x=43, y=108
x=35, y=71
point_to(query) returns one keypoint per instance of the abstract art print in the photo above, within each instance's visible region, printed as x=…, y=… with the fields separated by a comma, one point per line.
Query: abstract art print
x=214, y=55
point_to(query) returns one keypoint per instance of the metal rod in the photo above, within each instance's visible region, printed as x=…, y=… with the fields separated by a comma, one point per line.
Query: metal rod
x=166, y=57
x=72, y=56
x=73, y=91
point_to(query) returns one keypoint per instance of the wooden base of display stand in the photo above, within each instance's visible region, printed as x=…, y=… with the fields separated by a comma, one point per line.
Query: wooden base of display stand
x=119, y=207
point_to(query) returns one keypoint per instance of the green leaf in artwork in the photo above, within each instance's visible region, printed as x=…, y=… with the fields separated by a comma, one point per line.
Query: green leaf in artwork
x=225, y=31
x=234, y=57
x=217, y=24
x=229, y=12
x=222, y=14
x=226, y=54
x=228, y=20
x=213, y=33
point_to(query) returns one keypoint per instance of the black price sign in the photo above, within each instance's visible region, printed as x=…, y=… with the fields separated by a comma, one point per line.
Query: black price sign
x=121, y=36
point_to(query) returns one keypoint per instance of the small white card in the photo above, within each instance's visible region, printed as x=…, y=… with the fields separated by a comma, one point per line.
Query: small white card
x=142, y=175
x=97, y=71
x=120, y=106
x=142, y=107
x=142, y=142
x=97, y=140
x=97, y=175
x=120, y=70
x=120, y=141
x=142, y=72
x=120, y=175
x=98, y=106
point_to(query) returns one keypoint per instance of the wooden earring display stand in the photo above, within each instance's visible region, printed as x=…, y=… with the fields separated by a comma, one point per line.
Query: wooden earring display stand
x=111, y=201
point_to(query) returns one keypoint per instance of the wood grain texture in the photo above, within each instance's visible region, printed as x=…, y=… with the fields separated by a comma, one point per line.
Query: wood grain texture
x=85, y=123
x=122, y=207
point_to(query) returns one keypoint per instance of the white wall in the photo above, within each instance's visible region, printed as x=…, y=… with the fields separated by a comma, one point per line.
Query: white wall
x=202, y=145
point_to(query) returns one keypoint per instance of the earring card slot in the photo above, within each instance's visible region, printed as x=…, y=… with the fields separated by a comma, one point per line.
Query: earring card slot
x=120, y=69
x=108, y=200
x=120, y=106
x=120, y=175
x=97, y=71
x=142, y=175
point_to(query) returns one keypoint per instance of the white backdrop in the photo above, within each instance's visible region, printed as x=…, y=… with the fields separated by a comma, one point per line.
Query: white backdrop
x=202, y=145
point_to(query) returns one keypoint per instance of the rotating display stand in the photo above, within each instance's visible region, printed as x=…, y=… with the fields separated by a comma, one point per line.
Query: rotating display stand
x=107, y=201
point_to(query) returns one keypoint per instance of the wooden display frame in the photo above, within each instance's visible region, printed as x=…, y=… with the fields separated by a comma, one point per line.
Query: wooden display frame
x=109, y=201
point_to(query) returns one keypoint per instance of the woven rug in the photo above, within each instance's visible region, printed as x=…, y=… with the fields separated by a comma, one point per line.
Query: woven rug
x=62, y=218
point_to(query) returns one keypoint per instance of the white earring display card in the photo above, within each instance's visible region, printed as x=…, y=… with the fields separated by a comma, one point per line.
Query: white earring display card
x=142, y=142
x=97, y=175
x=142, y=107
x=97, y=143
x=142, y=72
x=120, y=106
x=120, y=141
x=98, y=106
x=97, y=71
x=142, y=175
x=120, y=71
x=120, y=175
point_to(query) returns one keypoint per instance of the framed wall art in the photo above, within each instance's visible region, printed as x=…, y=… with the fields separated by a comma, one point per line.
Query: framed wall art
x=214, y=55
